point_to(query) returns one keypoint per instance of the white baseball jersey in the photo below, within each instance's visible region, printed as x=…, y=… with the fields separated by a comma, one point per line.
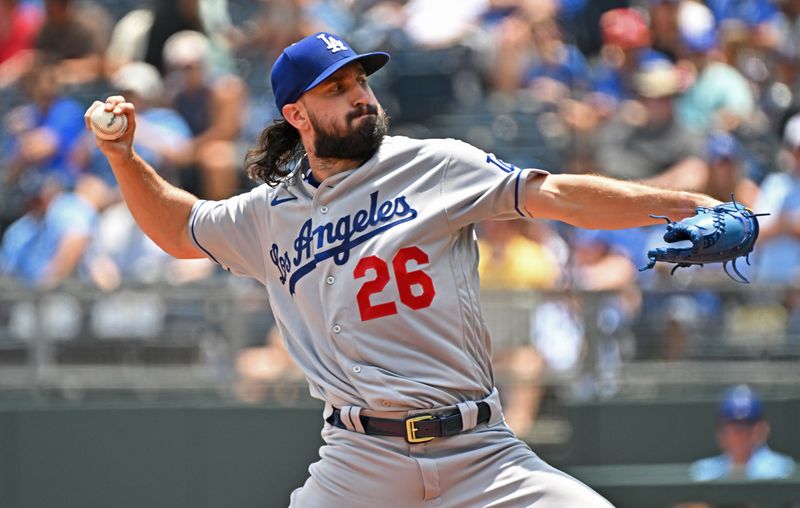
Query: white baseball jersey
x=372, y=275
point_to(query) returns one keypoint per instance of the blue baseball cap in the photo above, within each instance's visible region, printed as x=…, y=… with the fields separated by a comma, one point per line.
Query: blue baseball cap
x=740, y=404
x=309, y=61
x=700, y=42
x=697, y=27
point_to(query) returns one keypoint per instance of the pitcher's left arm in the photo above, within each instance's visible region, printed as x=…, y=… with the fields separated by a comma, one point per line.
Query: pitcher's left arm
x=597, y=202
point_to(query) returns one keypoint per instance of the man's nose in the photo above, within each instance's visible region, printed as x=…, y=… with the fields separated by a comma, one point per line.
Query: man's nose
x=359, y=96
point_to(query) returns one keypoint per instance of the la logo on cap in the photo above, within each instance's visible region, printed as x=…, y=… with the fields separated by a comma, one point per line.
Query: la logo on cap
x=332, y=43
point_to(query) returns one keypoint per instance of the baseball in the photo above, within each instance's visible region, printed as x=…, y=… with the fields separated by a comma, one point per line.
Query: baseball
x=108, y=126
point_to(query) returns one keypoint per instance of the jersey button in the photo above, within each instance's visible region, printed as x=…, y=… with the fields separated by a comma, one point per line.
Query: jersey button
x=357, y=369
x=330, y=280
x=337, y=328
x=323, y=209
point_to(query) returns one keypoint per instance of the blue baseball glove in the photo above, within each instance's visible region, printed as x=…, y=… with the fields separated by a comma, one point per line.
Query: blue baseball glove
x=717, y=235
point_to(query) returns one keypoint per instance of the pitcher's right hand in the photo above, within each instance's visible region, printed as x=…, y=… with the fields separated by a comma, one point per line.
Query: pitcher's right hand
x=123, y=146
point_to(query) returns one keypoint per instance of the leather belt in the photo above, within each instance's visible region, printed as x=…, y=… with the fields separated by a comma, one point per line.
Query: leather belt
x=415, y=429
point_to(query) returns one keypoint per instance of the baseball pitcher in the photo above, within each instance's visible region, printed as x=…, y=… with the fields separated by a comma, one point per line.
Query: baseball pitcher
x=366, y=246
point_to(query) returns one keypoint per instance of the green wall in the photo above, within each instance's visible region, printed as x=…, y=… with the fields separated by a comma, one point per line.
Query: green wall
x=172, y=457
x=204, y=454
x=663, y=431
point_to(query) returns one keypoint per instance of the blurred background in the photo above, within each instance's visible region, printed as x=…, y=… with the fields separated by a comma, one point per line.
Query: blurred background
x=128, y=378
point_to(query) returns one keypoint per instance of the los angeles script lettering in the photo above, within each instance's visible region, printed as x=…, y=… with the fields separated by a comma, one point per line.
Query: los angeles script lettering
x=335, y=239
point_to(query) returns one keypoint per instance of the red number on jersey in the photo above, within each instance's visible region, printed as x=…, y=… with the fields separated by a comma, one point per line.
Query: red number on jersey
x=367, y=309
x=407, y=282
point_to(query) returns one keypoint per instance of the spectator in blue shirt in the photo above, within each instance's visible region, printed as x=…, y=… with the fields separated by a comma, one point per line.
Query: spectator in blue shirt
x=558, y=65
x=43, y=131
x=742, y=435
x=626, y=42
x=47, y=244
x=777, y=260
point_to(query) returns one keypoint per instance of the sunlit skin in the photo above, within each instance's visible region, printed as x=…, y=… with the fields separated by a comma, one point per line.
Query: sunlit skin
x=337, y=104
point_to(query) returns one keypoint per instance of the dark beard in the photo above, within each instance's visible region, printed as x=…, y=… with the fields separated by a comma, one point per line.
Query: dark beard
x=358, y=144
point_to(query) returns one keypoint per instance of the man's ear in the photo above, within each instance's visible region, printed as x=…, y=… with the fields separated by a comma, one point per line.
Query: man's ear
x=296, y=115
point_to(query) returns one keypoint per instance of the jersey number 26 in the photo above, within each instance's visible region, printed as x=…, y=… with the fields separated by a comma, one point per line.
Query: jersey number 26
x=406, y=282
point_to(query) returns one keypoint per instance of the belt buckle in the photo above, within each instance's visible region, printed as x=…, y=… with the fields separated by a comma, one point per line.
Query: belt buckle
x=411, y=429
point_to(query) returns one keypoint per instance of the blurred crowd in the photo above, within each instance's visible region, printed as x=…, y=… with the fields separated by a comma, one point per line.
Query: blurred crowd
x=701, y=96
x=682, y=94
x=692, y=95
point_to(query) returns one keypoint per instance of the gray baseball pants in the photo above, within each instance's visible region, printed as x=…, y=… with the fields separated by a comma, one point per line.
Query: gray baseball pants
x=483, y=467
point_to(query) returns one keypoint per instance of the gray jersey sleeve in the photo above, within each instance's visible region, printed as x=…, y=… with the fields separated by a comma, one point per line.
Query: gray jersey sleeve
x=230, y=232
x=478, y=186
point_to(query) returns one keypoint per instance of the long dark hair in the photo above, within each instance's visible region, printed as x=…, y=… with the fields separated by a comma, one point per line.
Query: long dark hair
x=271, y=160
